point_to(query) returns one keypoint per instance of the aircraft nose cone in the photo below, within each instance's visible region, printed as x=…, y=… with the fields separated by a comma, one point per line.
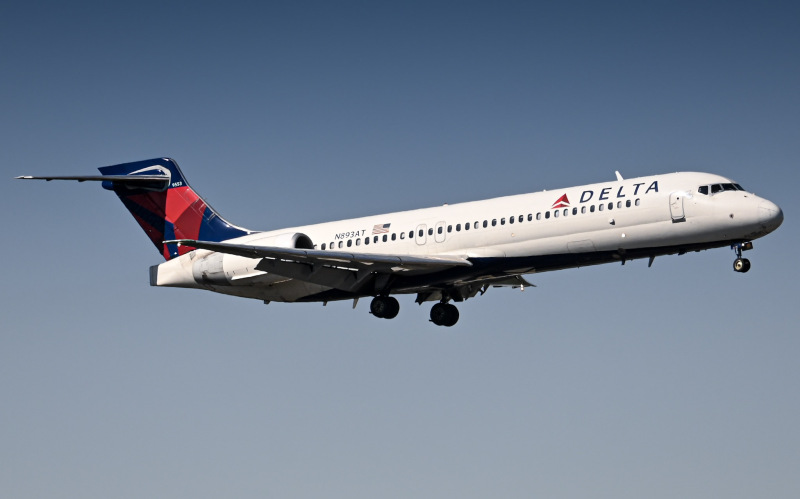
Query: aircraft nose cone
x=770, y=214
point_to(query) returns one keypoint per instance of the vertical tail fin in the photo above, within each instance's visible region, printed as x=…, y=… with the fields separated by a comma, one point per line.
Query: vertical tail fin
x=169, y=209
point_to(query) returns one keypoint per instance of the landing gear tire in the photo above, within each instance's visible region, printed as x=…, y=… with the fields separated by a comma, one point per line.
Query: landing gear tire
x=444, y=314
x=741, y=265
x=384, y=307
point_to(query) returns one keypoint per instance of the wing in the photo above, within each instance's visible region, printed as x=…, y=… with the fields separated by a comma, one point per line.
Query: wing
x=336, y=269
x=464, y=289
x=359, y=261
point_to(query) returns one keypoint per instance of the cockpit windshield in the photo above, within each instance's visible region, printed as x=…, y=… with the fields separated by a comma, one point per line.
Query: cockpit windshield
x=715, y=188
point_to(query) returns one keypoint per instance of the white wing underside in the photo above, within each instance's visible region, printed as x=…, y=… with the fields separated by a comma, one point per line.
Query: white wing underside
x=348, y=271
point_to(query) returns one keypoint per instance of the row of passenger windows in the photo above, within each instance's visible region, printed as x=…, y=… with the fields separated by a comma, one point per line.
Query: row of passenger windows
x=485, y=224
x=715, y=188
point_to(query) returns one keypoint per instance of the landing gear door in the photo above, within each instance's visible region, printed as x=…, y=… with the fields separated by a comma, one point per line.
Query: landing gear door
x=676, y=207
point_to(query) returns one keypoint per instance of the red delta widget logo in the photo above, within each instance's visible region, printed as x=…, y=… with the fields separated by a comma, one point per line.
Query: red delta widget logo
x=605, y=193
x=562, y=202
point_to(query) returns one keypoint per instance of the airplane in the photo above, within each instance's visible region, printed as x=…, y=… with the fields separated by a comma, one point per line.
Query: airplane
x=442, y=254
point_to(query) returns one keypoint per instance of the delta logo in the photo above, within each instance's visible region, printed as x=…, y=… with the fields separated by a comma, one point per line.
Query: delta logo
x=606, y=193
x=562, y=202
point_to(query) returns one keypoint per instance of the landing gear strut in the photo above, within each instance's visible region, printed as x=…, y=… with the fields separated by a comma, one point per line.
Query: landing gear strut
x=444, y=314
x=741, y=264
x=384, y=307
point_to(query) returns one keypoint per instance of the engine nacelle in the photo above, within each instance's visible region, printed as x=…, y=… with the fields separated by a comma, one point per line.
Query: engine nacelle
x=219, y=268
x=285, y=240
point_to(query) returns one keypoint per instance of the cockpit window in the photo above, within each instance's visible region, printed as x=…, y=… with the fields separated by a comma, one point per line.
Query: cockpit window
x=715, y=188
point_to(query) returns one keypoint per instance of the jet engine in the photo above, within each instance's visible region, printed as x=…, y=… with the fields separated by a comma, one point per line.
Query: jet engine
x=218, y=268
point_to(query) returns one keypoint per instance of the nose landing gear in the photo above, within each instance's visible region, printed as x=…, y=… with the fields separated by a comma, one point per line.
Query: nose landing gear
x=741, y=264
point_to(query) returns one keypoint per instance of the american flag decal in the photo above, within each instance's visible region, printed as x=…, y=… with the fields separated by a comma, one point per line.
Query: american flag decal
x=381, y=228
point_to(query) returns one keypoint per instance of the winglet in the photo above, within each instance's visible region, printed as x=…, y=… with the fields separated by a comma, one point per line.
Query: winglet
x=619, y=177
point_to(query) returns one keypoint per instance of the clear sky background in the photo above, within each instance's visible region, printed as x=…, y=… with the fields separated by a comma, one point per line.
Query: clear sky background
x=615, y=382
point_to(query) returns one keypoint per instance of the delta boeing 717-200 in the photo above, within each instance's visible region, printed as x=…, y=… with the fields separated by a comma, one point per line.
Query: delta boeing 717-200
x=443, y=254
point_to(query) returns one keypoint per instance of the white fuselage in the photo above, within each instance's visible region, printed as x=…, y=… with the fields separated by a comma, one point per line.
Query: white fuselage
x=560, y=228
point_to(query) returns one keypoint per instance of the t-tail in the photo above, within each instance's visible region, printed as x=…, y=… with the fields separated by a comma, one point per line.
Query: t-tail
x=162, y=202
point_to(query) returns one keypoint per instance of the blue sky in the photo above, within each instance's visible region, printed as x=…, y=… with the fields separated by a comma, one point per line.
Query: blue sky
x=674, y=381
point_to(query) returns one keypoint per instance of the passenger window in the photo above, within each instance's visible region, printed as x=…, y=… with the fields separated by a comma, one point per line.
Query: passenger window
x=402, y=235
x=466, y=226
x=600, y=207
x=511, y=220
x=566, y=211
x=449, y=229
x=476, y=225
x=503, y=221
x=458, y=227
x=323, y=246
x=394, y=236
x=583, y=209
x=591, y=208
x=555, y=213
x=349, y=242
x=638, y=202
x=628, y=203
x=358, y=242
x=539, y=216
x=619, y=204
x=485, y=224
x=385, y=238
x=375, y=239
x=341, y=243
x=366, y=241
x=439, y=229
x=411, y=234
x=575, y=211
x=546, y=214
x=494, y=222
x=703, y=189
x=530, y=217
x=430, y=231
x=421, y=233
x=610, y=206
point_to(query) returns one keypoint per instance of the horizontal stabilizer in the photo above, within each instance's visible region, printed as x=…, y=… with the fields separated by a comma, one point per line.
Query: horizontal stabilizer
x=133, y=180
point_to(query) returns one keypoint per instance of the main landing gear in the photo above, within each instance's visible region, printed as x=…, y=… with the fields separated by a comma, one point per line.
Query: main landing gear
x=384, y=307
x=444, y=314
x=387, y=307
x=741, y=264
